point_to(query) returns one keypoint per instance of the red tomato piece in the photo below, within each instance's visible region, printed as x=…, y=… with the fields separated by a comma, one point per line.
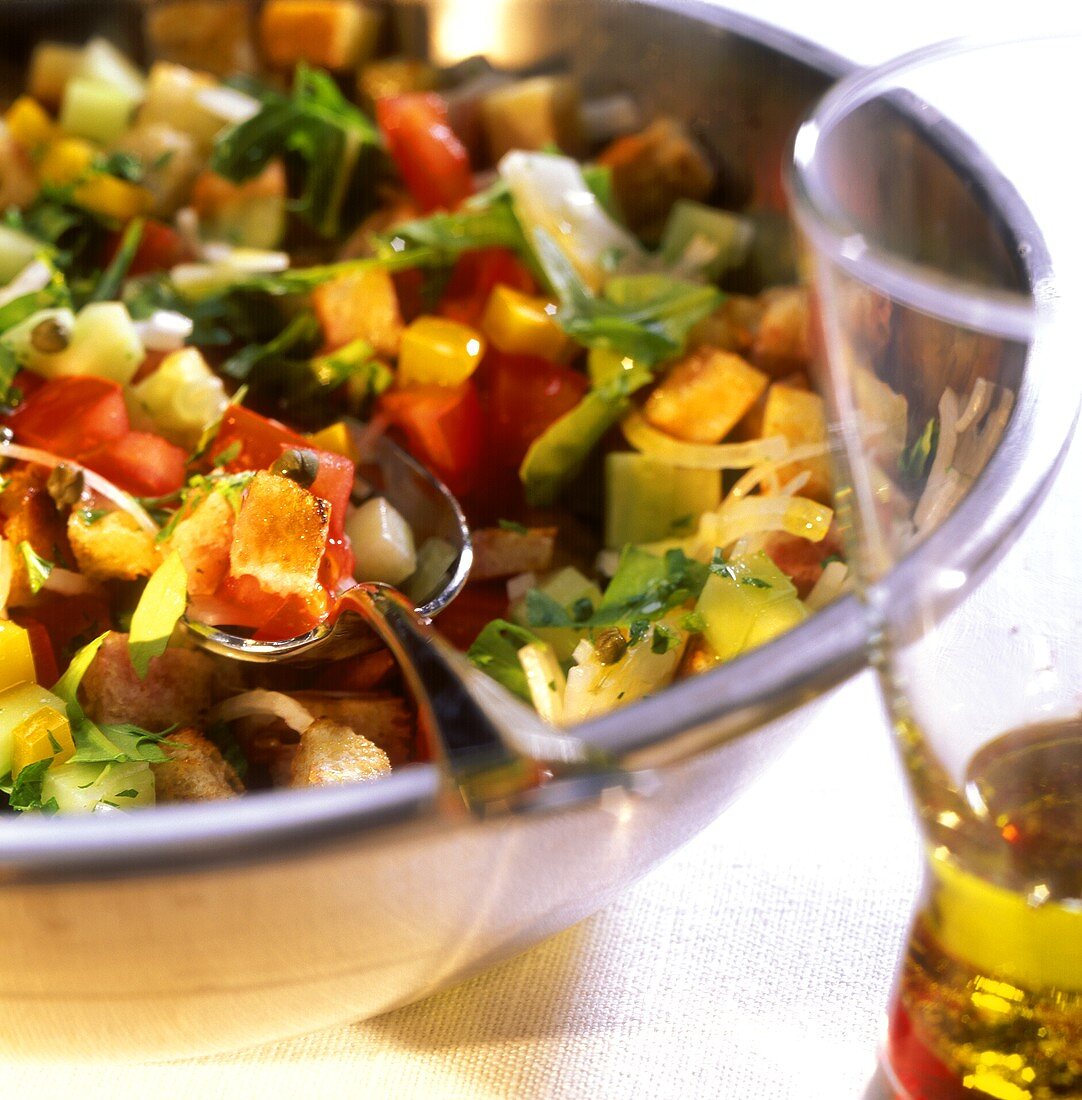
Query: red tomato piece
x=472, y=610
x=256, y=440
x=334, y=483
x=140, y=463
x=443, y=429
x=474, y=277
x=41, y=649
x=526, y=395
x=68, y=621
x=428, y=154
x=160, y=248
x=71, y=416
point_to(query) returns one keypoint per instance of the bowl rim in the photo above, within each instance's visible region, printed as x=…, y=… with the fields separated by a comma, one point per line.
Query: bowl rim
x=657, y=731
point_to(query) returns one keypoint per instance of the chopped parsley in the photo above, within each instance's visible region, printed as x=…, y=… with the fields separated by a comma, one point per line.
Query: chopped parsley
x=37, y=568
x=511, y=525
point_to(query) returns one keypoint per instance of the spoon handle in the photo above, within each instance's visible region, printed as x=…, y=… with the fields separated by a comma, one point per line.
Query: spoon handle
x=481, y=765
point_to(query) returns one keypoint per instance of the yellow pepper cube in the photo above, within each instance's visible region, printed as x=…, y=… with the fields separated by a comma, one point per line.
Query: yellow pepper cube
x=16, y=658
x=335, y=438
x=66, y=160
x=438, y=352
x=521, y=324
x=46, y=733
x=29, y=123
x=112, y=197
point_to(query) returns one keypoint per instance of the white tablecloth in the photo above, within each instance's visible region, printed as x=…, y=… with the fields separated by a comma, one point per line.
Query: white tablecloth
x=754, y=965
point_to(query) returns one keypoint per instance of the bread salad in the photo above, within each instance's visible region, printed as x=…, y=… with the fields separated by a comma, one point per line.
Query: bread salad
x=218, y=289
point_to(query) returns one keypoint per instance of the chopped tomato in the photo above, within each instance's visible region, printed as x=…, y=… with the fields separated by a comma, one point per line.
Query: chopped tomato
x=68, y=621
x=41, y=649
x=140, y=463
x=525, y=396
x=71, y=416
x=443, y=429
x=474, y=277
x=431, y=159
x=160, y=248
x=472, y=610
x=251, y=441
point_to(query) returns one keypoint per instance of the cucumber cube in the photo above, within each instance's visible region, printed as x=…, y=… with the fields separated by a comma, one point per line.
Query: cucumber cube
x=17, y=249
x=103, y=62
x=79, y=788
x=647, y=500
x=94, y=110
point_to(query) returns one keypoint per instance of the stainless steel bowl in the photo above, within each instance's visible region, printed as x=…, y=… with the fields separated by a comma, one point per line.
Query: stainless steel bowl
x=200, y=928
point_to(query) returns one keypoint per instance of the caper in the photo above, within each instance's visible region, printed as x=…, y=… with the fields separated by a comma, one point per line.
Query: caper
x=65, y=485
x=50, y=336
x=610, y=645
x=299, y=465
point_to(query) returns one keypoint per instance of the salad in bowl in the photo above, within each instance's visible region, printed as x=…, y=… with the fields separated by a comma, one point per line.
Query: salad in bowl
x=220, y=290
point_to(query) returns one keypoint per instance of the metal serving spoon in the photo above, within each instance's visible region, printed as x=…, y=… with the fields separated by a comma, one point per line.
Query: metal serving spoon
x=497, y=752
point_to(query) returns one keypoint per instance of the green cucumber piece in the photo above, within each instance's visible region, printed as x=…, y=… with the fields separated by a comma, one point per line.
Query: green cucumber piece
x=647, y=500
x=94, y=110
x=724, y=237
x=17, y=249
x=79, y=788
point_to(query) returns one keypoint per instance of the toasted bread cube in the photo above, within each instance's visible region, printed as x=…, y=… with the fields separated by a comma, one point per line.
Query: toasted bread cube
x=180, y=687
x=798, y=415
x=360, y=306
x=196, y=771
x=382, y=718
x=534, y=114
x=215, y=35
x=501, y=553
x=52, y=65
x=731, y=327
x=782, y=342
x=172, y=99
x=171, y=162
x=704, y=395
x=333, y=34
x=279, y=536
x=654, y=168
x=112, y=547
x=203, y=540
x=332, y=753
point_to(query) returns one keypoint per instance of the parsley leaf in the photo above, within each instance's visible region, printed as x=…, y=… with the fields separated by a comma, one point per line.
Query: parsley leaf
x=495, y=652
x=511, y=525
x=543, y=610
x=27, y=788
x=37, y=568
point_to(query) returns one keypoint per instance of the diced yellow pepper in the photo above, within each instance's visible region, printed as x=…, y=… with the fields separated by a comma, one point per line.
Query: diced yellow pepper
x=66, y=160
x=46, y=733
x=16, y=657
x=438, y=352
x=29, y=123
x=112, y=197
x=335, y=438
x=521, y=324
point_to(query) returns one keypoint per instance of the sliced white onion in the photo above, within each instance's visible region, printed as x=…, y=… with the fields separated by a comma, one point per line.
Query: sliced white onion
x=701, y=456
x=164, y=330
x=66, y=583
x=517, y=587
x=103, y=488
x=832, y=583
x=34, y=277
x=265, y=704
x=228, y=104
x=545, y=679
x=764, y=471
x=736, y=519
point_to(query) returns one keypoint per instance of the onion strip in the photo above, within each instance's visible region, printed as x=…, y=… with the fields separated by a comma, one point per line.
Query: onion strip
x=264, y=704
x=701, y=456
x=125, y=502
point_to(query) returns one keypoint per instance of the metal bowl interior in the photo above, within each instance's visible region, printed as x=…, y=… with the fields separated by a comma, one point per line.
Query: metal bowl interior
x=281, y=913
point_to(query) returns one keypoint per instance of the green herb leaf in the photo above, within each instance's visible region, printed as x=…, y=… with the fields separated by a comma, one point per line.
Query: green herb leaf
x=755, y=582
x=112, y=278
x=543, y=610
x=116, y=743
x=26, y=790
x=37, y=568
x=302, y=332
x=495, y=652
x=664, y=639
x=915, y=460
x=511, y=525
x=156, y=615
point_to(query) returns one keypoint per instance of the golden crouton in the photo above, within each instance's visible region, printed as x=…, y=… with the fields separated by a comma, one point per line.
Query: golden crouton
x=798, y=415
x=654, y=168
x=250, y=214
x=279, y=536
x=534, y=114
x=203, y=34
x=196, y=771
x=704, y=395
x=501, y=553
x=202, y=539
x=383, y=719
x=731, y=327
x=52, y=65
x=173, y=99
x=112, y=546
x=333, y=34
x=360, y=306
x=332, y=753
x=181, y=685
x=782, y=342
x=170, y=158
